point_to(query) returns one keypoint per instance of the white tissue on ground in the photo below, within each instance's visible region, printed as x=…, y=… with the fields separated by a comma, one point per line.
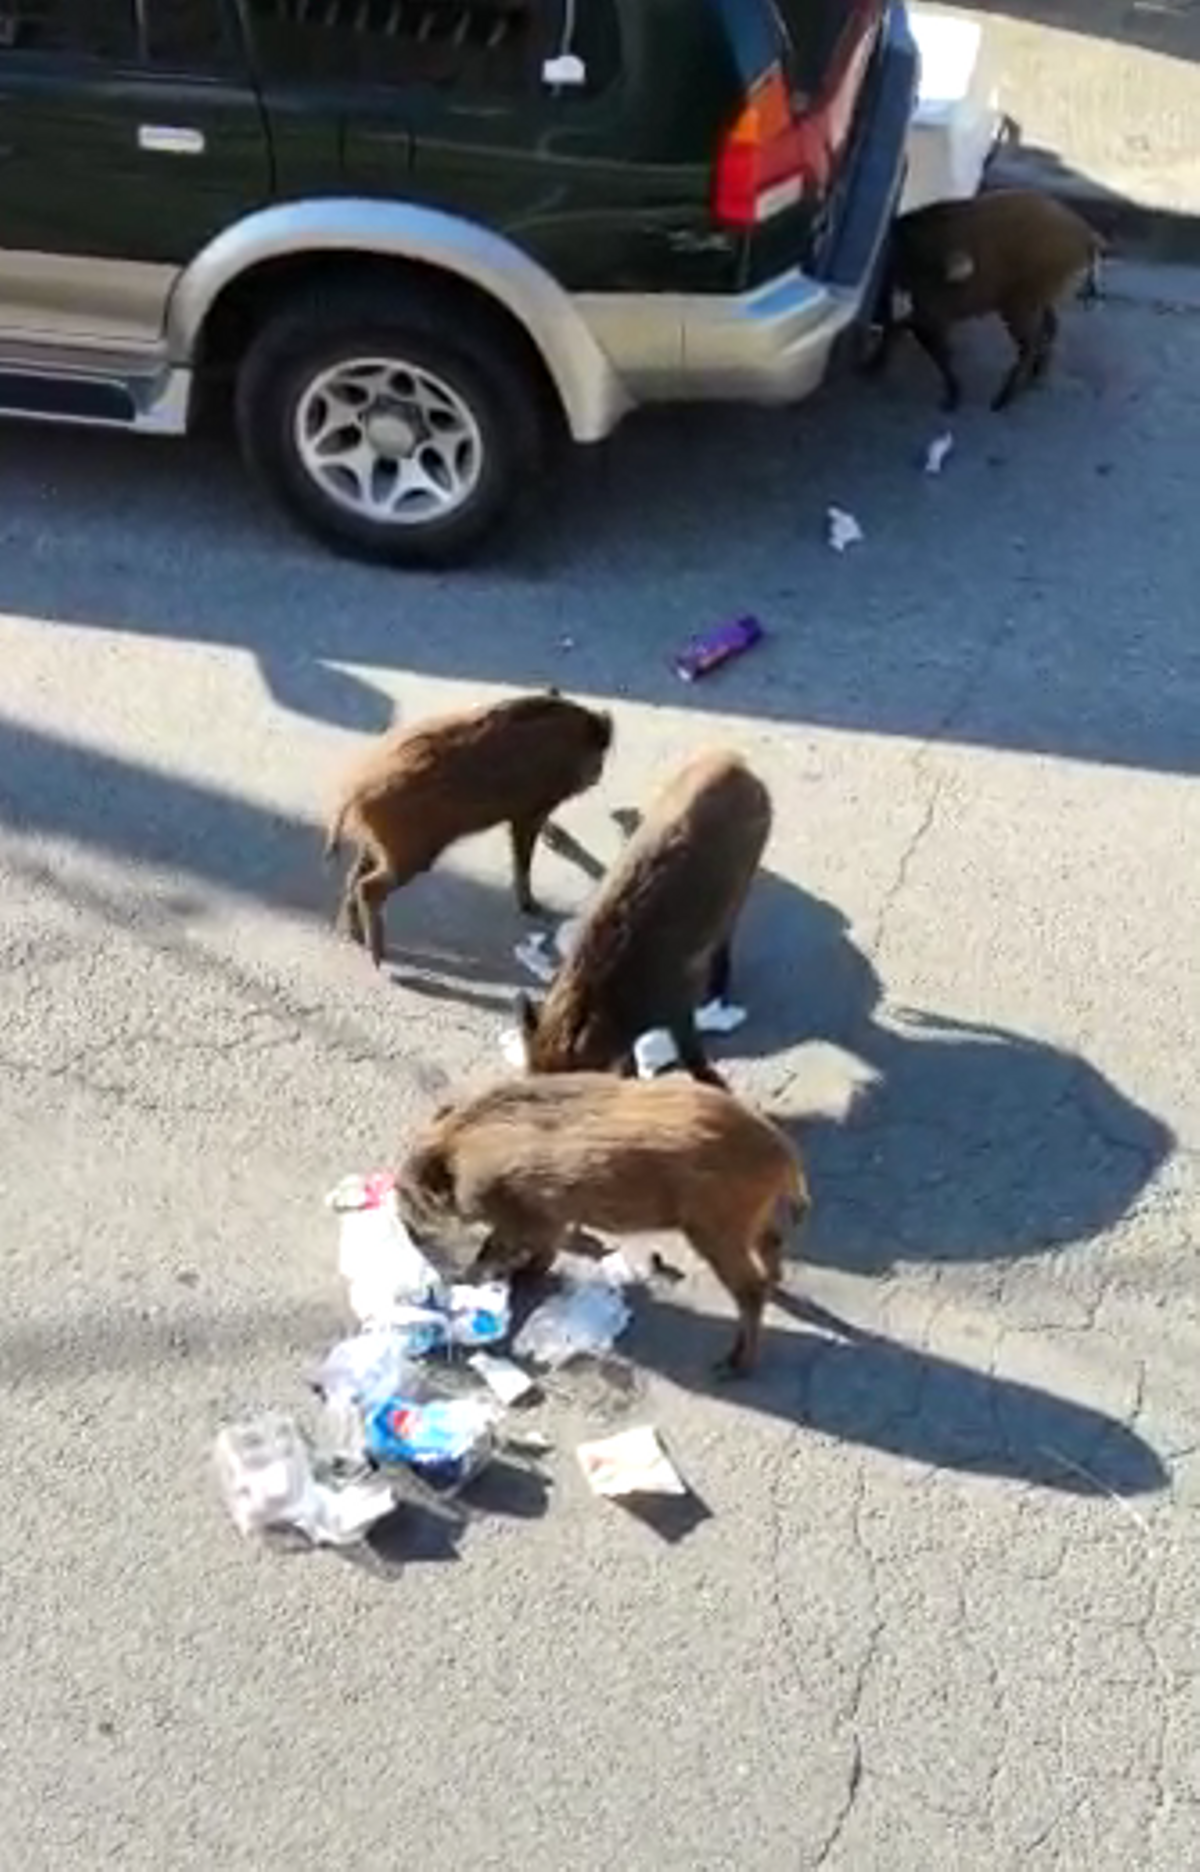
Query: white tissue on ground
x=514, y=1050
x=653, y=1052
x=936, y=453
x=843, y=528
x=531, y=954
x=719, y=1017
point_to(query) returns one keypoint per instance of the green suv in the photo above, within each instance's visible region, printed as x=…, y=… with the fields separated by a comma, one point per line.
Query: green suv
x=416, y=240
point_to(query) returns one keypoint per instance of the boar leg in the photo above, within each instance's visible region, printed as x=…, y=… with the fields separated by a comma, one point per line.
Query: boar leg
x=875, y=362
x=690, y=1049
x=524, y=836
x=1045, y=346
x=748, y=1285
x=1026, y=330
x=349, y=922
x=374, y=887
x=720, y=974
x=934, y=341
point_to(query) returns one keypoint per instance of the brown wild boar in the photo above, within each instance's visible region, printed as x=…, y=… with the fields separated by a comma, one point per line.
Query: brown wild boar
x=1012, y=252
x=533, y=1159
x=420, y=789
x=655, y=939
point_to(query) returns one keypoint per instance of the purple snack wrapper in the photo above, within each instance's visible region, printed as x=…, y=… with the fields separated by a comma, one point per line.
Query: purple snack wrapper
x=715, y=647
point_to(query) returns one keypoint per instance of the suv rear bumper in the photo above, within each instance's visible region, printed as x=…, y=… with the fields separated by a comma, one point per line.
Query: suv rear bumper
x=773, y=344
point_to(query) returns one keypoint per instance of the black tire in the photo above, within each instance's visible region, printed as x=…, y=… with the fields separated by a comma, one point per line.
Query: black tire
x=477, y=363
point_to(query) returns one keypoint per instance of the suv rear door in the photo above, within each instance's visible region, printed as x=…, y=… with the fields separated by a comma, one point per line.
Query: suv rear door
x=130, y=135
x=806, y=67
x=445, y=103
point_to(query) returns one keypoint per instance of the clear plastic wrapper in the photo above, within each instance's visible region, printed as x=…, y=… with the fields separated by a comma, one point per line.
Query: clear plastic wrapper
x=583, y=1319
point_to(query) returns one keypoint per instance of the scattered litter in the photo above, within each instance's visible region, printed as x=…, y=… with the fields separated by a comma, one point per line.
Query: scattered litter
x=444, y=1440
x=566, y=934
x=654, y=1052
x=526, y=1442
x=633, y=1462
x=936, y=453
x=479, y=1315
x=367, y=1366
x=843, y=529
x=583, y=1319
x=565, y=69
x=719, y=1017
x=362, y=1192
x=715, y=647
x=514, y=1049
x=387, y=1273
x=268, y=1483
x=531, y=954
x=504, y=1379
x=616, y=1270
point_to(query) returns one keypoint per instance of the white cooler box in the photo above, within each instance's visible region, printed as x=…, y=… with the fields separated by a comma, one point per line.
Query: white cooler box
x=957, y=119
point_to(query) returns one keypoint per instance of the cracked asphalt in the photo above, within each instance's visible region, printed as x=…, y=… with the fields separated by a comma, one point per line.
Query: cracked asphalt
x=937, y=1603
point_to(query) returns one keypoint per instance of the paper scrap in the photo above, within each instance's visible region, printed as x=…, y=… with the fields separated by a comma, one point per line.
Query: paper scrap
x=503, y=1378
x=566, y=934
x=936, y=453
x=633, y=1462
x=653, y=1052
x=719, y=1017
x=514, y=1050
x=843, y=529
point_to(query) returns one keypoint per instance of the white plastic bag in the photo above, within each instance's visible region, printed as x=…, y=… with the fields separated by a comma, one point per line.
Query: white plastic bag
x=386, y=1271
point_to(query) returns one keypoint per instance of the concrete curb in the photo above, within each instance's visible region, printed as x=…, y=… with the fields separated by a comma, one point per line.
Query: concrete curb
x=1160, y=236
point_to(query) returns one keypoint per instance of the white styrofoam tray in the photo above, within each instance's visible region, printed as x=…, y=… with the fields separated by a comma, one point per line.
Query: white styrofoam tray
x=957, y=119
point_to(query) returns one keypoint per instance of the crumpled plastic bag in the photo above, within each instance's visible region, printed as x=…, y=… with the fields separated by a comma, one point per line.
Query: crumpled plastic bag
x=583, y=1319
x=265, y=1473
x=387, y=1273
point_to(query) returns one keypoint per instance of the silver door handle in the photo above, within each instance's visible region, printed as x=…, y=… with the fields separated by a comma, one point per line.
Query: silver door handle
x=171, y=140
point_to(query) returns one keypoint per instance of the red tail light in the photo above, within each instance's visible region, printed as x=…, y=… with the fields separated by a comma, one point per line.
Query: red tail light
x=770, y=159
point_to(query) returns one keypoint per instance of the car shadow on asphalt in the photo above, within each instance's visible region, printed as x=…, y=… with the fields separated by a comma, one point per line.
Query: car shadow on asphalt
x=685, y=517
x=860, y=1387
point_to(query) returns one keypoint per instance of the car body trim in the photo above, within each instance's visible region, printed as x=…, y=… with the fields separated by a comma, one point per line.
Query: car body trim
x=770, y=345
x=47, y=391
x=83, y=300
x=592, y=395
x=773, y=343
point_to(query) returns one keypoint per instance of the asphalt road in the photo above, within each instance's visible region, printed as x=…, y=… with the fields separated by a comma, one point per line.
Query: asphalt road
x=944, y=1608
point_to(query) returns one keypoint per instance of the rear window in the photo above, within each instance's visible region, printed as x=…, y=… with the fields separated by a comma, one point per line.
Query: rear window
x=488, y=45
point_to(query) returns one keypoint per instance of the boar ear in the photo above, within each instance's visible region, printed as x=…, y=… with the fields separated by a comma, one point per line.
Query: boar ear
x=526, y=1014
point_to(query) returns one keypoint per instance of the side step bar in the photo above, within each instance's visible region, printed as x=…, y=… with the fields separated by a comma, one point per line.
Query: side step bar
x=155, y=405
